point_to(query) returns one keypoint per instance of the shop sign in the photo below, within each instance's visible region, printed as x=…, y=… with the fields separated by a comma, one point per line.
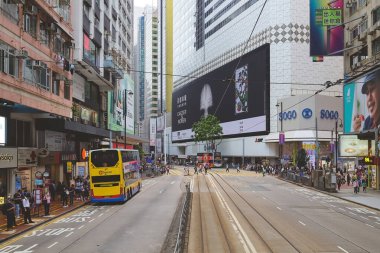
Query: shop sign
x=2, y=201
x=43, y=152
x=69, y=167
x=69, y=157
x=307, y=113
x=27, y=157
x=367, y=160
x=329, y=114
x=8, y=157
x=289, y=115
x=84, y=154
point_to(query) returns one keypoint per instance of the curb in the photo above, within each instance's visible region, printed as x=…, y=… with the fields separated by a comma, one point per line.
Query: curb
x=329, y=193
x=43, y=222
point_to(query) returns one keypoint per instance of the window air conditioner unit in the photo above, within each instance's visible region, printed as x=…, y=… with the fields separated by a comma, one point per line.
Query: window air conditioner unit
x=38, y=64
x=372, y=30
x=363, y=36
x=52, y=28
x=22, y=54
x=377, y=25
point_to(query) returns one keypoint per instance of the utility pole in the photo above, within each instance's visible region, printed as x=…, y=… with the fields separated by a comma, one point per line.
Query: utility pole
x=316, y=144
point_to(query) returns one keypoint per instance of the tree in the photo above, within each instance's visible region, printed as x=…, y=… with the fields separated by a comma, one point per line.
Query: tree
x=208, y=130
x=302, y=158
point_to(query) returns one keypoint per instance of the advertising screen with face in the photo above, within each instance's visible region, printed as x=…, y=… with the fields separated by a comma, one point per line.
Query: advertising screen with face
x=236, y=93
x=362, y=103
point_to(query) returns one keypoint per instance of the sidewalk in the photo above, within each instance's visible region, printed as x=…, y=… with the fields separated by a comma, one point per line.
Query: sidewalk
x=370, y=199
x=56, y=210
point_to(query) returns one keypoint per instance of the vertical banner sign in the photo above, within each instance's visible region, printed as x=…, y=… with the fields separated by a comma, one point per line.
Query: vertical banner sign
x=152, y=132
x=326, y=31
x=69, y=167
x=281, y=138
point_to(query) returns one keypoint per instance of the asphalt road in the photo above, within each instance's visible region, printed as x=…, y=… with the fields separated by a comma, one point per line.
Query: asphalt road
x=139, y=225
x=270, y=215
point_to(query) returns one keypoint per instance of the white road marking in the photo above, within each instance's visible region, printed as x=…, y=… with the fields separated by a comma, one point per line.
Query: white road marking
x=279, y=208
x=52, y=245
x=91, y=220
x=377, y=222
x=264, y=198
x=332, y=205
x=342, y=209
x=352, y=213
x=100, y=215
x=107, y=210
x=112, y=207
x=172, y=182
x=369, y=225
x=302, y=223
x=81, y=227
x=247, y=244
x=345, y=251
x=253, y=191
x=161, y=191
x=364, y=217
x=69, y=234
x=192, y=185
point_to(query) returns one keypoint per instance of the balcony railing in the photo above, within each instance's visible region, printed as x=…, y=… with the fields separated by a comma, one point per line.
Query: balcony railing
x=86, y=24
x=98, y=37
x=110, y=65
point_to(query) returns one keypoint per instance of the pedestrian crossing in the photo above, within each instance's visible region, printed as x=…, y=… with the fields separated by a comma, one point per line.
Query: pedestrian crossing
x=223, y=172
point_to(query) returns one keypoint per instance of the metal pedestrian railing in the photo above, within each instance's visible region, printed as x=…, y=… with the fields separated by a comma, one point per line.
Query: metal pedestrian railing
x=181, y=237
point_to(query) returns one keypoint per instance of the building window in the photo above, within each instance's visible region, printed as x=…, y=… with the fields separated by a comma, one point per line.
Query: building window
x=90, y=51
x=8, y=60
x=376, y=46
x=36, y=72
x=55, y=84
x=359, y=56
x=19, y=133
x=66, y=91
x=376, y=15
x=30, y=24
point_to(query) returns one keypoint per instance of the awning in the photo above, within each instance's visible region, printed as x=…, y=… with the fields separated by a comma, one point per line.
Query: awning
x=301, y=135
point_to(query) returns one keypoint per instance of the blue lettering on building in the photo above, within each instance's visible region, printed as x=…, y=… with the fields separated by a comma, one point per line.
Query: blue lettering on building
x=329, y=114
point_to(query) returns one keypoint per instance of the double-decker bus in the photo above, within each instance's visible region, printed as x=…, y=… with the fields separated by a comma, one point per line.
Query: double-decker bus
x=114, y=174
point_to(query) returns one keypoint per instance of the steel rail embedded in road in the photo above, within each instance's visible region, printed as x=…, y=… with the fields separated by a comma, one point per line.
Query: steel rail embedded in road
x=256, y=212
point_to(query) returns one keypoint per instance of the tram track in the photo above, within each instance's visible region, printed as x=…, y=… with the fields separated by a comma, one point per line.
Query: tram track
x=292, y=247
x=266, y=219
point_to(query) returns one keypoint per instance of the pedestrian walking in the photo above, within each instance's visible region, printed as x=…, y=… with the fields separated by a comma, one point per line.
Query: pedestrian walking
x=355, y=184
x=17, y=197
x=46, y=201
x=348, y=179
x=27, y=205
x=339, y=182
x=238, y=168
x=72, y=194
x=64, y=196
x=195, y=169
x=206, y=168
x=227, y=168
x=8, y=210
x=52, y=190
x=364, y=184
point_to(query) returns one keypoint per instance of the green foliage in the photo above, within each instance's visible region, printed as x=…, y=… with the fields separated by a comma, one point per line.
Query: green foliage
x=141, y=151
x=207, y=129
x=302, y=158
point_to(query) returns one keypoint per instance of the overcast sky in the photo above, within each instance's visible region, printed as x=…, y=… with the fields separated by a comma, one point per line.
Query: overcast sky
x=143, y=3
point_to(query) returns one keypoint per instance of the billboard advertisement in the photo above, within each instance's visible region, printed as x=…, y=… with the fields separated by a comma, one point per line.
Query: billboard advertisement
x=237, y=94
x=116, y=106
x=160, y=123
x=325, y=38
x=362, y=103
x=351, y=146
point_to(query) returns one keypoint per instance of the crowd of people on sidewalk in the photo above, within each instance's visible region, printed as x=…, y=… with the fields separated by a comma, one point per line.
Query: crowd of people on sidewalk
x=358, y=179
x=24, y=202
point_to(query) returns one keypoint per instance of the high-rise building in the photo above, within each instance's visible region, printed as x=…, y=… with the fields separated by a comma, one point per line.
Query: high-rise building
x=212, y=39
x=36, y=67
x=362, y=81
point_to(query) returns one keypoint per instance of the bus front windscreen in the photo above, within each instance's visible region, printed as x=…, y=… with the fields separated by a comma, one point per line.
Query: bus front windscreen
x=104, y=158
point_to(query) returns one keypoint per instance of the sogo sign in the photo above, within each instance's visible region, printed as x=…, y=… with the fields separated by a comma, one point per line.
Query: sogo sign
x=326, y=114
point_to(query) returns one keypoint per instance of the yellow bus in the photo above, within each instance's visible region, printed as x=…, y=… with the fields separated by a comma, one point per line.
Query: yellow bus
x=114, y=175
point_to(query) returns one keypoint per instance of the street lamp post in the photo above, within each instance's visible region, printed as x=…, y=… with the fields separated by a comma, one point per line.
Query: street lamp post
x=126, y=92
x=336, y=141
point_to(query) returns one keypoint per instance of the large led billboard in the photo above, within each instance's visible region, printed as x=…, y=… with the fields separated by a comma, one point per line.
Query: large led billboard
x=326, y=31
x=236, y=93
x=362, y=103
x=351, y=146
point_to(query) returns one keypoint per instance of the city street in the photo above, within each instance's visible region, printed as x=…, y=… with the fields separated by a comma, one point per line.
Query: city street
x=139, y=225
x=247, y=212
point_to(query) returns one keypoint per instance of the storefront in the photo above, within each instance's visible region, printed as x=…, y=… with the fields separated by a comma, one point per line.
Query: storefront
x=26, y=167
x=8, y=163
